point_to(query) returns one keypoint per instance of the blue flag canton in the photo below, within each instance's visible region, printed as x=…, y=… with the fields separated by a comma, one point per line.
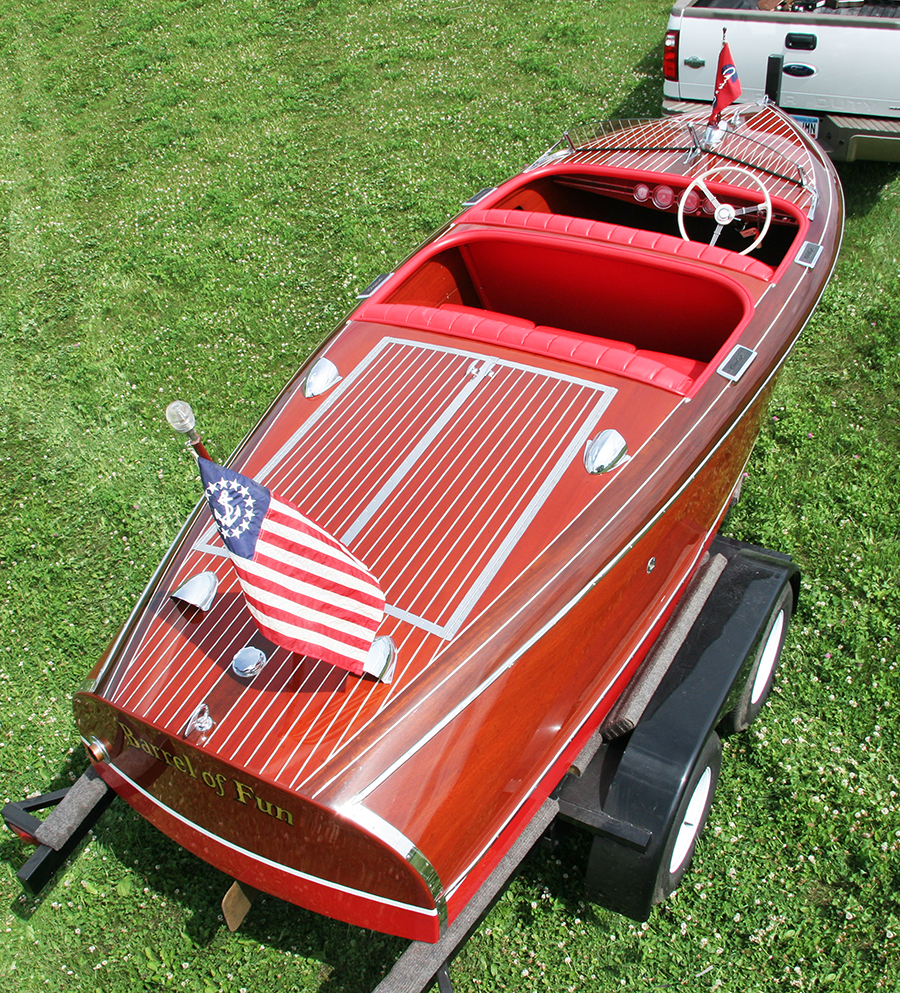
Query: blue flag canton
x=238, y=506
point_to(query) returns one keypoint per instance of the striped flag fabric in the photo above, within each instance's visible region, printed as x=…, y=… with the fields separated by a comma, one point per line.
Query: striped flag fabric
x=306, y=591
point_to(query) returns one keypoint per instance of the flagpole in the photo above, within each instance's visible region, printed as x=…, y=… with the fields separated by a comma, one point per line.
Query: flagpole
x=181, y=418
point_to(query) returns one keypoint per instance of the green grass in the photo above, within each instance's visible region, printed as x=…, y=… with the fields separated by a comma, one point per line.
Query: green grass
x=192, y=192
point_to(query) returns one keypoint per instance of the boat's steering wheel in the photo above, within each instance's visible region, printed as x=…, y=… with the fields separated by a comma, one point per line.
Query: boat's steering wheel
x=725, y=213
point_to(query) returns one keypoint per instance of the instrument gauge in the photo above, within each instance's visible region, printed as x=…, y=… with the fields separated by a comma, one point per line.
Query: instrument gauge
x=691, y=202
x=663, y=197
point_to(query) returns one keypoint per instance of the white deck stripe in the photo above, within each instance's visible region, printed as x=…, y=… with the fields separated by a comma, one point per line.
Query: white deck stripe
x=461, y=462
x=424, y=443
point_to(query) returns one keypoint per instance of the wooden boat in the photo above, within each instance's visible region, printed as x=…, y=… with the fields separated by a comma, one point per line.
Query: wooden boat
x=529, y=432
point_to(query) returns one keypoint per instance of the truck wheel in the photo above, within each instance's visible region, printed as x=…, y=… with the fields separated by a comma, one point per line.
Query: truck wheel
x=762, y=673
x=690, y=819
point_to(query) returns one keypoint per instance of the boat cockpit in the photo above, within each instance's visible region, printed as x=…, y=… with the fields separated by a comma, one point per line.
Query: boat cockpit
x=644, y=203
x=593, y=268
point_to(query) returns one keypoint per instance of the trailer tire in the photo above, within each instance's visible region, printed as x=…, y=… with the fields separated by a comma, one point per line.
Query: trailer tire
x=689, y=821
x=761, y=674
x=630, y=879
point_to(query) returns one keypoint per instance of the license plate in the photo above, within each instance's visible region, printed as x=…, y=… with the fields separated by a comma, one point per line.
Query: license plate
x=809, y=124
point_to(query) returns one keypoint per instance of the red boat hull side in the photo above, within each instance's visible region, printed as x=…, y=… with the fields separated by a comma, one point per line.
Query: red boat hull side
x=510, y=748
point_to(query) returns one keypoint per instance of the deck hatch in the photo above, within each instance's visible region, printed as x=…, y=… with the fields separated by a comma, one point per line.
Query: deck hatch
x=407, y=501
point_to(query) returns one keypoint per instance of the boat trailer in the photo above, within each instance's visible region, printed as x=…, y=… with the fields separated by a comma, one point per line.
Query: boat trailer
x=642, y=786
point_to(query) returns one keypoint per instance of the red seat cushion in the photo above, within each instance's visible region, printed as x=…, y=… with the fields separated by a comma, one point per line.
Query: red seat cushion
x=690, y=367
x=619, y=234
x=459, y=308
x=617, y=357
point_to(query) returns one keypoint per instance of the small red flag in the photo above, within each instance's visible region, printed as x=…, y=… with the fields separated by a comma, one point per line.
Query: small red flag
x=728, y=86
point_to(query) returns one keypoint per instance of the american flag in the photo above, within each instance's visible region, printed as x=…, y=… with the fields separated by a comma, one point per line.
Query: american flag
x=306, y=591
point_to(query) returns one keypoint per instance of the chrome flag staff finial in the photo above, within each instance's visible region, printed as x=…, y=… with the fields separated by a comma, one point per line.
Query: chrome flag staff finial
x=181, y=418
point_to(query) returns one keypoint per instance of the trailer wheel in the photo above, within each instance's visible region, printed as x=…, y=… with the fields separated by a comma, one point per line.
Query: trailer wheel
x=690, y=819
x=630, y=878
x=762, y=673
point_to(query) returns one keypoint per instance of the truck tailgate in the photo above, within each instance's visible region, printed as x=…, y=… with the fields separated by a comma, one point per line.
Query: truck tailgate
x=833, y=62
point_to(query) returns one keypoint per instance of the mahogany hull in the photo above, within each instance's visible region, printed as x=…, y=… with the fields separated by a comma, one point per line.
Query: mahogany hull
x=524, y=591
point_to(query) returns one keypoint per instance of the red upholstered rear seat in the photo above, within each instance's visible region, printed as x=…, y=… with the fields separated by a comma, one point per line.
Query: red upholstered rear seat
x=618, y=234
x=671, y=372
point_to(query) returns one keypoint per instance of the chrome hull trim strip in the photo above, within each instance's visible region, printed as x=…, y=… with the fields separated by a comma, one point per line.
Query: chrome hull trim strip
x=386, y=832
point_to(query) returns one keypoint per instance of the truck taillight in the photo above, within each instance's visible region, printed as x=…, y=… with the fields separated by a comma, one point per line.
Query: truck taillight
x=670, y=57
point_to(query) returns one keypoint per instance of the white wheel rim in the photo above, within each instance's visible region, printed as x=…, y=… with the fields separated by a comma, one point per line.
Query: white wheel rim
x=767, y=660
x=690, y=825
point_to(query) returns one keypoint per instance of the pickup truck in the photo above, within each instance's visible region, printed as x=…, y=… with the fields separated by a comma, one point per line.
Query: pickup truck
x=834, y=65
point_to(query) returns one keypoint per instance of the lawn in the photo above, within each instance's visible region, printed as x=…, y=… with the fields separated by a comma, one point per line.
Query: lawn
x=191, y=194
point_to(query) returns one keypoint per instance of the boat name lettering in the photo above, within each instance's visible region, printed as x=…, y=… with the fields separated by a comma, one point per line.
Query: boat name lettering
x=217, y=782
x=246, y=795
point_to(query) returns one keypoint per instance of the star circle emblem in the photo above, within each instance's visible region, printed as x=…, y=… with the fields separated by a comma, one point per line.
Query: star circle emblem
x=232, y=505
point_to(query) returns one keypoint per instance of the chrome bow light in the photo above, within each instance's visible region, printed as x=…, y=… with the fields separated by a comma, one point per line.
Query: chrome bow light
x=607, y=451
x=181, y=417
x=323, y=375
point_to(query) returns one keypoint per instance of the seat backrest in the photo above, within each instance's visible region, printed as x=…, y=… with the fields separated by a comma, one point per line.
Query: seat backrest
x=611, y=356
x=619, y=234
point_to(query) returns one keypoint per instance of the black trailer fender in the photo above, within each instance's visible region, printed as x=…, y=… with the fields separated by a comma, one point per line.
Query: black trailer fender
x=645, y=796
